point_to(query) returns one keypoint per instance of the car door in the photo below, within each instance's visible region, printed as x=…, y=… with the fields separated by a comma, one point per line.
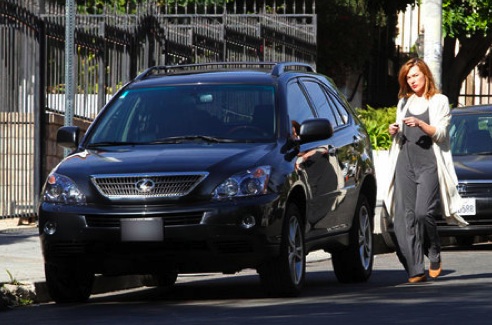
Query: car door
x=316, y=166
x=342, y=155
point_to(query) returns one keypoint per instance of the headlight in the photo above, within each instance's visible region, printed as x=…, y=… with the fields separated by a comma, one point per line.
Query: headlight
x=61, y=189
x=248, y=183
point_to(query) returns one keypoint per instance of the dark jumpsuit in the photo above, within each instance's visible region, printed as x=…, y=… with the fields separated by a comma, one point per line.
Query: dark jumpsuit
x=416, y=200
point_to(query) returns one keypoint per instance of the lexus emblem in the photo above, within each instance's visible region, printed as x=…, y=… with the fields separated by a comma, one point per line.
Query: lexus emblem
x=145, y=185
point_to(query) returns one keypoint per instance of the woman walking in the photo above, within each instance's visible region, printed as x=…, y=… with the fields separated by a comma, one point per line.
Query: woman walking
x=424, y=180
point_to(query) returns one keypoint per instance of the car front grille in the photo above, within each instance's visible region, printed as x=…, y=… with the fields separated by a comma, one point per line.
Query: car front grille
x=471, y=189
x=178, y=219
x=143, y=186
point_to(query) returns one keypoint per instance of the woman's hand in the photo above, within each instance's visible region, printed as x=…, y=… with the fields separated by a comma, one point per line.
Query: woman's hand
x=412, y=121
x=393, y=128
x=415, y=122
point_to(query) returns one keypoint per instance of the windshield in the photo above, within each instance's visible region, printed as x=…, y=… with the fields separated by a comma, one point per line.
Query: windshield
x=174, y=114
x=471, y=134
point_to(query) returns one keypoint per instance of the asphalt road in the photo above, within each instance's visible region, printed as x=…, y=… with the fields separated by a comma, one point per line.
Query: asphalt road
x=461, y=296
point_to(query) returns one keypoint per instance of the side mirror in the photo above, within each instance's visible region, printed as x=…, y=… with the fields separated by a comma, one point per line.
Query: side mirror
x=315, y=130
x=68, y=137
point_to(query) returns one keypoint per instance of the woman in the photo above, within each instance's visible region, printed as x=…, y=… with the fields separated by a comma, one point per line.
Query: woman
x=422, y=170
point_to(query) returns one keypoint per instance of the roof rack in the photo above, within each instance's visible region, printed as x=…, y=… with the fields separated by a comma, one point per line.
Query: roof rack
x=282, y=67
x=277, y=67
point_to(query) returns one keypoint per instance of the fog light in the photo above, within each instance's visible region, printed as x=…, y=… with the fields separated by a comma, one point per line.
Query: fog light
x=49, y=228
x=248, y=222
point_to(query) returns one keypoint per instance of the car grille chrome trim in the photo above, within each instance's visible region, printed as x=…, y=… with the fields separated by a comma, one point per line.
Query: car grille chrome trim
x=143, y=186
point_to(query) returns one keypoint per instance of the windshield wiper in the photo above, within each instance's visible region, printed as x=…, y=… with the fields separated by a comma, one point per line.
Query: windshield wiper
x=180, y=139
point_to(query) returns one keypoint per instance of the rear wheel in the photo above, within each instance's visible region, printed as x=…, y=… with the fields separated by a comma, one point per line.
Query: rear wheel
x=354, y=264
x=465, y=240
x=166, y=279
x=384, y=224
x=68, y=283
x=284, y=275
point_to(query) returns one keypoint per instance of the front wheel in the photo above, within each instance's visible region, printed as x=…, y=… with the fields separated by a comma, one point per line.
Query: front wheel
x=68, y=283
x=354, y=264
x=284, y=275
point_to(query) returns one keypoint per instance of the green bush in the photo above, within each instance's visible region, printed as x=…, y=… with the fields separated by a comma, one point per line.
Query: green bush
x=377, y=121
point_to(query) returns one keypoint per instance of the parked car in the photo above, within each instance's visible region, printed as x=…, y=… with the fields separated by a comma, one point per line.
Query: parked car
x=212, y=168
x=471, y=146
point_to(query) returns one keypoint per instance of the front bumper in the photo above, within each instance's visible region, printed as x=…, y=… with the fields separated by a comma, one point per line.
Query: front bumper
x=215, y=237
x=479, y=224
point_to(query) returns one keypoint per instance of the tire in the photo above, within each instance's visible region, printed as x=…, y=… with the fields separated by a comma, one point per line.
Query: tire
x=167, y=279
x=284, y=275
x=354, y=264
x=68, y=283
x=465, y=241
x=388, y=237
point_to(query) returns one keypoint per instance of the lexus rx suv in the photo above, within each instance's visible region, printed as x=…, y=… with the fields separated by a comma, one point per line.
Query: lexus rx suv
x=212, y=167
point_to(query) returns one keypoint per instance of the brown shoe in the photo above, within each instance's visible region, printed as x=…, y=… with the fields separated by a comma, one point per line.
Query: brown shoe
x=435, y=270
x=417, y=279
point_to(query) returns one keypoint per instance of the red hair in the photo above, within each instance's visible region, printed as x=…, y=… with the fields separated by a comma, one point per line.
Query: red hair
x=430, y=88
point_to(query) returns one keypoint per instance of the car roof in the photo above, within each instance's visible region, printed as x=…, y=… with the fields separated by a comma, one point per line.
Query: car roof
x=472, y=110
x=219, y=72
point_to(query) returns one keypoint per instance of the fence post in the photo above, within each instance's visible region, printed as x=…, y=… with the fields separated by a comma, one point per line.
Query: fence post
x=102, y=78
x=69, y=62
x=40, y=134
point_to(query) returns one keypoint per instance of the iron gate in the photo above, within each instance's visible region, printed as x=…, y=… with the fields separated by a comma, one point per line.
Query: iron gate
x=110, y=49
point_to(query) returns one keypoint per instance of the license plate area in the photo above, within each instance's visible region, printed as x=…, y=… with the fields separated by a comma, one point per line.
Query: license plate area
x=142, y=229
x=468, y=207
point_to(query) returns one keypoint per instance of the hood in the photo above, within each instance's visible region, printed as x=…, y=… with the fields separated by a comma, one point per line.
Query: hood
x=476, y=167
x=164, y=158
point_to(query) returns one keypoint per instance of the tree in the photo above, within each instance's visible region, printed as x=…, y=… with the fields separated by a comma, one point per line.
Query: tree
x=355, y=38
x=466, y=23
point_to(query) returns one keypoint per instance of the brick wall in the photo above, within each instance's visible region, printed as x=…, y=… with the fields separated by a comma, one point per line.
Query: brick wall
x=55, y=153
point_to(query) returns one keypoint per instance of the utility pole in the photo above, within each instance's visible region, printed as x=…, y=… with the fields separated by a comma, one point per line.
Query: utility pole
x=432, y=21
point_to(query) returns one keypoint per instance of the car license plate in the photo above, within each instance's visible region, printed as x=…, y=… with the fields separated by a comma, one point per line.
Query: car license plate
x=142, y=229
x=468, y=207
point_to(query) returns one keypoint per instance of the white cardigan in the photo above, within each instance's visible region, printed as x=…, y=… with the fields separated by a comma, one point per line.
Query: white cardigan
x=439, y=117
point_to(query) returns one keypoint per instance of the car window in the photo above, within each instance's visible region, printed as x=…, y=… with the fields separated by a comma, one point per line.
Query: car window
x=238, y=112
x=470, y=134
x=338, y=107
x=297, y=104
x=320, y=101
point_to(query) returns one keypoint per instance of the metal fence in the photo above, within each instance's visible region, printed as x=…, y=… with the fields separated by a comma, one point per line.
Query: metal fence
x=109, y=50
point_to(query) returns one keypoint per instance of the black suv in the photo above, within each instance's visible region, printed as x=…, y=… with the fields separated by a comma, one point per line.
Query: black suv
x=212, y=168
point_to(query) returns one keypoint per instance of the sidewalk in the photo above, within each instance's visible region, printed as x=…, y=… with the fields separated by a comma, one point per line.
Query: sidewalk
x=20, y=252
